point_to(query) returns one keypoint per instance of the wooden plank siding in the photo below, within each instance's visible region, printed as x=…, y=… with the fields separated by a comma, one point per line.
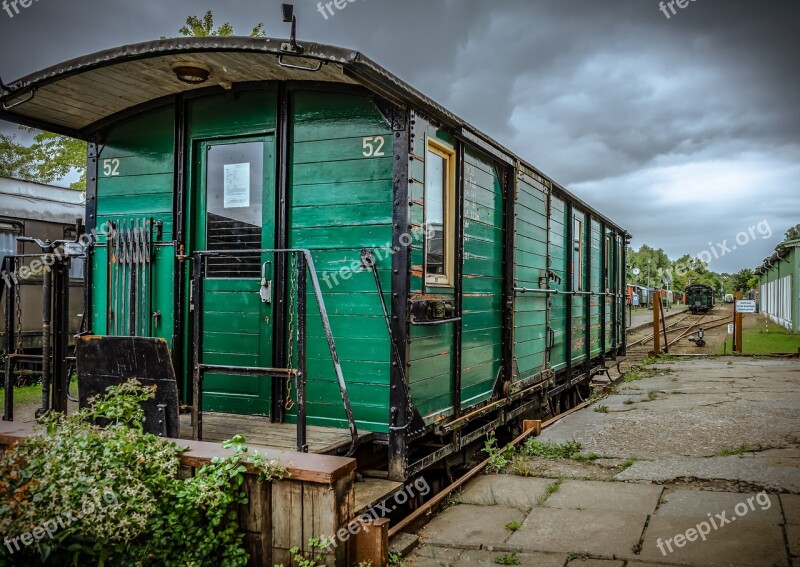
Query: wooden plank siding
x=483, y=278
x=135, y=181
x=431, y=352
x=341, y=202
x=559, y=264
x=578, y=331
x=530, y=310
x=596, y=286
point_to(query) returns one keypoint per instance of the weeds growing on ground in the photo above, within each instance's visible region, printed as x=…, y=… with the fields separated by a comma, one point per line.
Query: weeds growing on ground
x=740, y=450
x=507, y=559
x=513, y=526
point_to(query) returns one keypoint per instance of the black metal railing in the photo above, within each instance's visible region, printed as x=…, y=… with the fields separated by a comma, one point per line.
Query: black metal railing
x=304, y=269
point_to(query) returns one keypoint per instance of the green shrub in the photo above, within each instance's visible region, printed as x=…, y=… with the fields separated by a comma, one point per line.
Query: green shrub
x=112, y=495
x=499, y=458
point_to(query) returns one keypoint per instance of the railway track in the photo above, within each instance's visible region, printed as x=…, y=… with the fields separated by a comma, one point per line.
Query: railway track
x=676, y=332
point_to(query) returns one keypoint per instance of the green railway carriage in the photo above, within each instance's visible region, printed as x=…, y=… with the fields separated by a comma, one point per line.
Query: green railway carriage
x=700, y=298
x=320, y=243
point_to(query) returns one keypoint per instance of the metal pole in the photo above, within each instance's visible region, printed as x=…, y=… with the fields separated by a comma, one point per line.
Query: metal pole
x=197, y=349
x=47, y=307
x=60, y=378
x=11, y=293
x=302, y=445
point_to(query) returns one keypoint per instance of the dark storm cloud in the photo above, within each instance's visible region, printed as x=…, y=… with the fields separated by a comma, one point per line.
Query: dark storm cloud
x=686, y=130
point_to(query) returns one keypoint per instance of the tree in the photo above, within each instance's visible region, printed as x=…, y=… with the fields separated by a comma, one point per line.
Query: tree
x=742, y=280
x=196, y=27
x=793, y=233
x=49, y=159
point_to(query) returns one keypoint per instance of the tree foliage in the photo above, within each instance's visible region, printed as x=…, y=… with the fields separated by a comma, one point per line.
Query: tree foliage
x=204, y=27
x=49, y=159
x=792, y=234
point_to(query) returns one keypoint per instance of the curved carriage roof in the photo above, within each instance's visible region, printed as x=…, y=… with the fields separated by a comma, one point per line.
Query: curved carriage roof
x=75, y=97
x=26, y=200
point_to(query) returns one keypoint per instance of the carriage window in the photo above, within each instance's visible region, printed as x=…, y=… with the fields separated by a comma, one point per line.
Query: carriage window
x=8, y=245
x=439, y=214
x=577, y=255
x=234, y=188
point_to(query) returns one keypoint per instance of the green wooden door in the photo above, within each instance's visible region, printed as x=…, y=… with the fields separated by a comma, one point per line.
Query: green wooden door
x=235, y=192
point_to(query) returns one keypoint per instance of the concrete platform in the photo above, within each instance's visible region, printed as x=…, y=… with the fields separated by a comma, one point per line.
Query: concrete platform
x=715, y=448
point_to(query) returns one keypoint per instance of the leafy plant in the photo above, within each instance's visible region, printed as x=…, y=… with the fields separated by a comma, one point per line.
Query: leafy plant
x=122, y=489
x=396, y=559
x=499, y=458
x=740, y=450
x=550, y=449
x=601, y=408
x=507, y=559
x=317, y=548
x=513, y=526
x=551, y=489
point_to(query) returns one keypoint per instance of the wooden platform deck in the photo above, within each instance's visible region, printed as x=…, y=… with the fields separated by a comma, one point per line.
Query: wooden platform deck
x=258, y=430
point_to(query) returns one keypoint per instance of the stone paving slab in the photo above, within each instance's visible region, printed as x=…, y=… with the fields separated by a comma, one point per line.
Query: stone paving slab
x=741, y=544
x=701, y=503
x=704, y=408
x=483, y=557
x=595, y=563
x=791, y=508
x=468, y=526
x=758, y=473
x=793, y=535
x=582, y=531
x=605, y=496
x=514, y=491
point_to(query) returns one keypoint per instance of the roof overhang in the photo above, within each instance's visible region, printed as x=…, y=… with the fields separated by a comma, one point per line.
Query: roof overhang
x=74, y=96
x=77, y=97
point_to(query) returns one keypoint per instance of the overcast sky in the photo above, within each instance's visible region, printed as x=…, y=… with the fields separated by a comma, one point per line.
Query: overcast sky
x=685, y=130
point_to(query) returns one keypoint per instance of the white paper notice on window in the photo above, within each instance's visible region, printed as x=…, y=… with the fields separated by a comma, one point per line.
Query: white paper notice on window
x=237, y=185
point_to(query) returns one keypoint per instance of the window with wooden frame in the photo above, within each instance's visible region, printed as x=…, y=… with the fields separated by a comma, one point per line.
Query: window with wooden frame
x=440, y=176
x=577, y=254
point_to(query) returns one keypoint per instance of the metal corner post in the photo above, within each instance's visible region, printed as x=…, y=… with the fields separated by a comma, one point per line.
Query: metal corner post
x=401, y=275
x=278, y=412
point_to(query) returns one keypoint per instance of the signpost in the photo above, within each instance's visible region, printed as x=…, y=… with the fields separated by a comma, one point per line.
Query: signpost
x=745, y=306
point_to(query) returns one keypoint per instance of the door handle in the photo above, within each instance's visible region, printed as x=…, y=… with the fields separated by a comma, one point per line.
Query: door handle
x=266, y=285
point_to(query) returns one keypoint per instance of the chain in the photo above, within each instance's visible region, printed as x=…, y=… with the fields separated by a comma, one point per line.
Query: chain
x=290, y=362
x=18, y=304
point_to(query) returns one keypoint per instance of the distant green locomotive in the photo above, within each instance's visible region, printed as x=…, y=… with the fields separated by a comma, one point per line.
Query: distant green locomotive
x=700, y=298
x=320, y=243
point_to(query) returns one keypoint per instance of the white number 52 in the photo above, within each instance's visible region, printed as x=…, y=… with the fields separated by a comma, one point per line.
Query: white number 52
x=111, y=167
x=373, y=146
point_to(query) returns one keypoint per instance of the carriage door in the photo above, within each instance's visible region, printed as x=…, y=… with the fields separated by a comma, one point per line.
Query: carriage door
x=235, y=192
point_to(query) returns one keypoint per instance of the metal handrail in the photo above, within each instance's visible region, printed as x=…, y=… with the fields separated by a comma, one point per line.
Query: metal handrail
x=304, y=261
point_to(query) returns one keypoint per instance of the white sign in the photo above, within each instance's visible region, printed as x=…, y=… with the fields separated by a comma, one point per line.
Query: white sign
x=730, y=328
x=237, y=185
x=745, y=306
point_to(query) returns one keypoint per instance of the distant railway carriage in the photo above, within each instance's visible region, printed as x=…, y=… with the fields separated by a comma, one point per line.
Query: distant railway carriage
x=30, y=209
x=462, y=288
x=699, y=298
